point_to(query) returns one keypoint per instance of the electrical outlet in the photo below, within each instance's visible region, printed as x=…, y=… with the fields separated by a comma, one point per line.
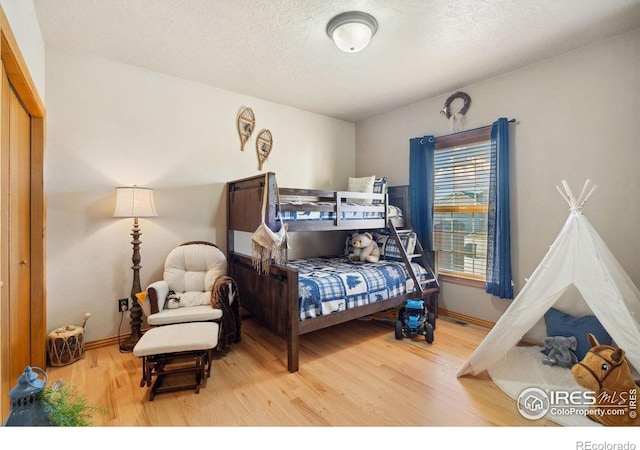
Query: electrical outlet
x=123, y=304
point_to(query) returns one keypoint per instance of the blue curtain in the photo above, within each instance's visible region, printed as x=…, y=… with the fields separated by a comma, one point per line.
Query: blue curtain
x=421, y=179
x=499, y=279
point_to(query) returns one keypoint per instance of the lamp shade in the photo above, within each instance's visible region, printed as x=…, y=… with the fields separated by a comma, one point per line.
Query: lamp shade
x=135, y=202
x=352, y=31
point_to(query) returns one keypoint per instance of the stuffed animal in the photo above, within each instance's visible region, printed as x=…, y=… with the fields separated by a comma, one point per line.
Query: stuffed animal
x=173, y=301
x=364, y=248
x=605, y=371
x=561, y=351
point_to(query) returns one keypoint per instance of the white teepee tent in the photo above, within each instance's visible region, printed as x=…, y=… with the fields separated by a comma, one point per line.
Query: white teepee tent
x=580, y=258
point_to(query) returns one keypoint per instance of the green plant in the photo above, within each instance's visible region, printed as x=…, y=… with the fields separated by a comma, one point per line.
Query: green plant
x=68, y=408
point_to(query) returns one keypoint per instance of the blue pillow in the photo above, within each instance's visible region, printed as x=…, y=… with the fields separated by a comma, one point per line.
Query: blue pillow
x=562, y=324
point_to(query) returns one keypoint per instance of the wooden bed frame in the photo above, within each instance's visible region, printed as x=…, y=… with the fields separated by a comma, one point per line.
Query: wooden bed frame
x=273, y=298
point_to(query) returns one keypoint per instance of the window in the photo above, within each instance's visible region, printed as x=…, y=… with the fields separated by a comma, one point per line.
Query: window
x=462, y=164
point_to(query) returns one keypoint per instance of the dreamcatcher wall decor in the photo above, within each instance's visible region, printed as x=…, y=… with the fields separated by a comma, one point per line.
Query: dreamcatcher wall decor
x=264, y=145
x=458, y=120
x=246, y=125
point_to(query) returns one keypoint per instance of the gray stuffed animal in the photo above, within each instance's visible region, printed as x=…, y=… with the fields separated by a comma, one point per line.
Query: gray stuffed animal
x=561, y=351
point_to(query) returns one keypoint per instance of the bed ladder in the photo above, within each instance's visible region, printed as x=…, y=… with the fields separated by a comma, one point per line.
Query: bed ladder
x=421, y=288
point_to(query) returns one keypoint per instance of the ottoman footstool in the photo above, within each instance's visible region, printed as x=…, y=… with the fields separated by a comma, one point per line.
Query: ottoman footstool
x=162, y=347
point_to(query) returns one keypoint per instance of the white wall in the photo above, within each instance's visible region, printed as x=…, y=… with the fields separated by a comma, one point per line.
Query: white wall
x=23, y=20
x=578, y=119
x=110, y=125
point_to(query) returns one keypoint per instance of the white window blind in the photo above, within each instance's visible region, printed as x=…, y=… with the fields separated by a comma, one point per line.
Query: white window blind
x=462, y=170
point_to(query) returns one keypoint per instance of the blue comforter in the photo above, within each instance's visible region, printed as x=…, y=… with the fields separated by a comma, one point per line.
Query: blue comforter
x=331, y=284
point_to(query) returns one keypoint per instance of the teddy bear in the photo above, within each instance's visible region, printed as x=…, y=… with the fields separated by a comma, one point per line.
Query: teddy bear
x=364, y=248
x=561, y=351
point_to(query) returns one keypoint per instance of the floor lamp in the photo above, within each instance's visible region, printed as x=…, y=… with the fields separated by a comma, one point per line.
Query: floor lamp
x=134, y=202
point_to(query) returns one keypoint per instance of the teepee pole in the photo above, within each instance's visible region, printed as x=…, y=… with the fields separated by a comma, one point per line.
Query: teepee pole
x=563, y=195
x=569, y=193
x=593, y=189
x=581, y=199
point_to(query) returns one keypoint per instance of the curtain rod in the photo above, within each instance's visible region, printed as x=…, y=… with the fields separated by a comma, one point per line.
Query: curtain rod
x=474, y=129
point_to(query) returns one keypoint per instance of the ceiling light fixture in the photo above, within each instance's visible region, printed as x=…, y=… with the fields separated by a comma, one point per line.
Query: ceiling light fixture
x=352, y=31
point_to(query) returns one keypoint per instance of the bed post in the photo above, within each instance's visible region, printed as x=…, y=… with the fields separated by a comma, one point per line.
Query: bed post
x=293, y=326
x=271, y=212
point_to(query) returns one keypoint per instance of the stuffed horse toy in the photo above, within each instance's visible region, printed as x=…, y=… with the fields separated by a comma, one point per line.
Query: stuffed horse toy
x=605, y=370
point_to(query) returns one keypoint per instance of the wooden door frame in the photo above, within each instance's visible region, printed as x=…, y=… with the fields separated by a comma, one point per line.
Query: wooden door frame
x=20, y=78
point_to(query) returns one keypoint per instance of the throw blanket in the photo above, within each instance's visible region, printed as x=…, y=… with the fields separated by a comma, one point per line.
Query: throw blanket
x=224, y=296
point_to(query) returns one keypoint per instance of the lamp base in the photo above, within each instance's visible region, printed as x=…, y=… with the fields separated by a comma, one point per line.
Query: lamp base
x=128, y=344
x=136, y=309
x=136, y=333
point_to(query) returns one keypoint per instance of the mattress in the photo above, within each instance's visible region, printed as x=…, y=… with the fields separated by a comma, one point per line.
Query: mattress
x=332, y=284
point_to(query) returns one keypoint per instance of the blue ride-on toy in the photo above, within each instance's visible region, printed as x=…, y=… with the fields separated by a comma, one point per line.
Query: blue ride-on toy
x=414, y=320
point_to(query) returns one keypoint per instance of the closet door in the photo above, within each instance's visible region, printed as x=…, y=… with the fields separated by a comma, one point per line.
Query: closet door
x=16, y=146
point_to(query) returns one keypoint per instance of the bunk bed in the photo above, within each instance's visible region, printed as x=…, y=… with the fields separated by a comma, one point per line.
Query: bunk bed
x=279, y=298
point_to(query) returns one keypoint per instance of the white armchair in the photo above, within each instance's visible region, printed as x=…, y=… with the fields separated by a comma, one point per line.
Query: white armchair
x=193, y=272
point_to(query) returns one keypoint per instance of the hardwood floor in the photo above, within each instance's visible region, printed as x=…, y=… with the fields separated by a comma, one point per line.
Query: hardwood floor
x=351, y=375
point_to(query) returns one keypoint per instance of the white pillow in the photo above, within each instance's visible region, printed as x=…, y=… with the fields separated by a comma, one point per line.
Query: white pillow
x=363, y=184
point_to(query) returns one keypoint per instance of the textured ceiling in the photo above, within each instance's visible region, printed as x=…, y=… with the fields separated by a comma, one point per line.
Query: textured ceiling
x=278, y=50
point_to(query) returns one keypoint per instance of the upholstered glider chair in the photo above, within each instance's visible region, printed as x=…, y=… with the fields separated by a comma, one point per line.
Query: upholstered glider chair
x=195, y=288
